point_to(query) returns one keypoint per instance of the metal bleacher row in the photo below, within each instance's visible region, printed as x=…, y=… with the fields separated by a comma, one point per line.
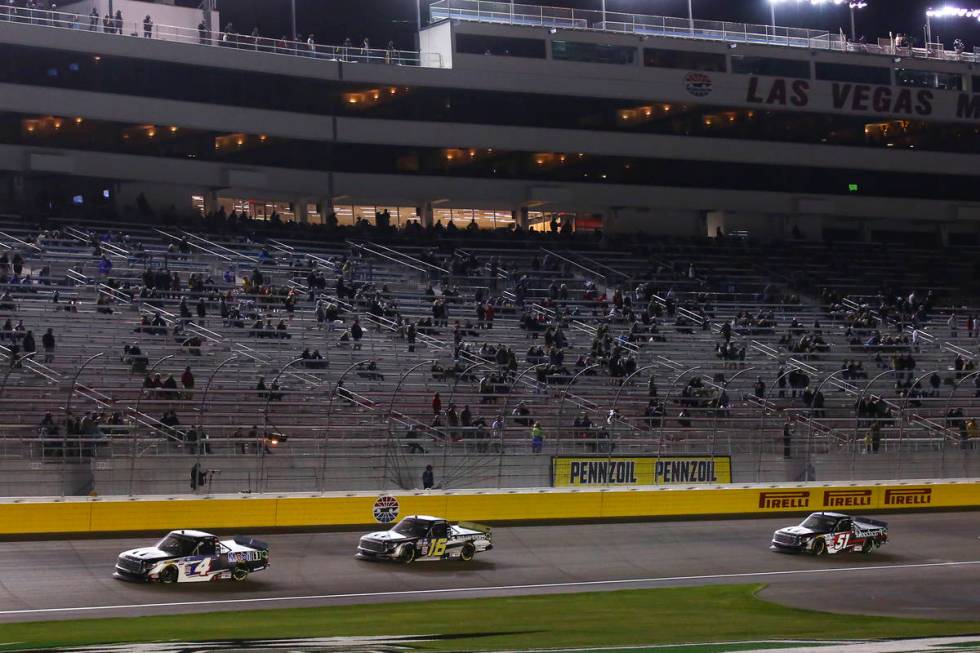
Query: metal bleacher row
x=699, y=326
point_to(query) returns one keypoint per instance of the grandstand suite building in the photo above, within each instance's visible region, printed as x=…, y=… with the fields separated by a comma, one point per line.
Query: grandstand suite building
x=502, y=117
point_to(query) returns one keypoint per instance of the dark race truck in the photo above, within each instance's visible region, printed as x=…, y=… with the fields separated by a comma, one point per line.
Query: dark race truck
x=831, y=532
x=421, y=537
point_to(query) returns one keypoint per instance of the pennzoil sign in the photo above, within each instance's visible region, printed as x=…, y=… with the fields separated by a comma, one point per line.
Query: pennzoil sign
x=568, y=471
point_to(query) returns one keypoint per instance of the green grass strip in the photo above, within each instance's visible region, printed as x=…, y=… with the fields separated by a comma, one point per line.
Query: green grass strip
x=720, y=613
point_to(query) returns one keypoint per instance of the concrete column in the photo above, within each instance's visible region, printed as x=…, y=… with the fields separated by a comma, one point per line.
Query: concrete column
x=299, y=210
x=522, y=219
x=210, y=201
x=425, y=215
x=326, y=208
x=864, y=231
x=942, y=234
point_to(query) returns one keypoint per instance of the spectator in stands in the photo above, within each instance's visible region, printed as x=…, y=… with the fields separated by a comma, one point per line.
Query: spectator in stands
x=28, y=343
x=356, y=333
x=412, y=437
x=169, y=388
x=147, y=27
x=789, y=431
x=118, y=22
x=436, y=403
x=260, y=390
x=187, y=380
x=537, y=438
x=759, y=389
x=428, y=478
x=48, y=343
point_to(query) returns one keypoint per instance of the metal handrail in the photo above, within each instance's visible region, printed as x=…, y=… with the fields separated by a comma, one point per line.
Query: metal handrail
x=217, y=38
x=488, y=11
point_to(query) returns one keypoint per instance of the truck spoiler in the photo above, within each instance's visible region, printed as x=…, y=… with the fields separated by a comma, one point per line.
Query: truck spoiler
x=250, y=542
x=871, y=522
x=480, y=528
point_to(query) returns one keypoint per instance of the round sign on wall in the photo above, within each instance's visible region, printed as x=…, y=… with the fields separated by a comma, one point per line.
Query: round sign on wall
x=386, y=509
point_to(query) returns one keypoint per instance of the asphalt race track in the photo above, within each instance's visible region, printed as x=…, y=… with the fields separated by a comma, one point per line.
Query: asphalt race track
x=930, y=568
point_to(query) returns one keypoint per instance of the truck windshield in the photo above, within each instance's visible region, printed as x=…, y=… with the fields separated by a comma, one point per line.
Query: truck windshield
x=177, y=545
x=411, y=527
x=819, y=523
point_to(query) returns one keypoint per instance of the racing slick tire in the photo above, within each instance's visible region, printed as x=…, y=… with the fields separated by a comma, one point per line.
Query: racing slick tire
x=407, y=554
x=819, y=547
x=869, y=546
x=169, y=574
x=467, y=552
x=239, y=574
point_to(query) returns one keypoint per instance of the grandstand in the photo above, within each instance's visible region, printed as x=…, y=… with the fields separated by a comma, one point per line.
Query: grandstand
x=264, y=258
x=661, y=344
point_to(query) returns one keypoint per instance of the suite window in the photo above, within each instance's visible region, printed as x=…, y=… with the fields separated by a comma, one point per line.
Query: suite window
x=592, y=52
x=839, y=72
x=707, y=61
x=771, y=67
x=501, y=46
x=929, y=79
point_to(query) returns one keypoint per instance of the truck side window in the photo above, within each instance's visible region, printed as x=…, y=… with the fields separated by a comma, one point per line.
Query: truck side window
x=843, y=525
x=440, y=530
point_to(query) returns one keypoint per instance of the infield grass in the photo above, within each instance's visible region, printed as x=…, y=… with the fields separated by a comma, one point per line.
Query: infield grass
x=720, y=613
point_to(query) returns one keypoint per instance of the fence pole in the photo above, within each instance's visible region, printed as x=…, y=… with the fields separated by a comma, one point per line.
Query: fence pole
x=391, y=447
x=71, y=394
x=808, y=460
x=901, y=428
x=762, y=420
x=326, y=432
x=265, y=420
x=204, y=401
x=564, y=393
x=136, y=424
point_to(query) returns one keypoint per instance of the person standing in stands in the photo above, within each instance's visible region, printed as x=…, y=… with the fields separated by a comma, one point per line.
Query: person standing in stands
x=47, y=341
x=788, y=431
x=356, y=333
x=428, y=478
x=147, y=27
x=537, y=438
x=28, y=343
x=436, y=404
x=187, y=380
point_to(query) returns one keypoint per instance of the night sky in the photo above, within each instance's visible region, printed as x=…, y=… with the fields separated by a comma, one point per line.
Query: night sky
x=380, y=20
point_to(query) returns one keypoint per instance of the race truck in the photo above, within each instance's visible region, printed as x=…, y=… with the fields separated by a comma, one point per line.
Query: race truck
x=831, y=532
x=421, y=537
x=193, y=556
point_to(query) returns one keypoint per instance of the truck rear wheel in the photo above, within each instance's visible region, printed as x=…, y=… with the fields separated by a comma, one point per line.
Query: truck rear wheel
x=239, y=574
x=869, y=546
x=467, y=552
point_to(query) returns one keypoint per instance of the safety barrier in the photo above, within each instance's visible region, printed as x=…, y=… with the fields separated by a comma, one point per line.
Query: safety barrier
x=109, y=515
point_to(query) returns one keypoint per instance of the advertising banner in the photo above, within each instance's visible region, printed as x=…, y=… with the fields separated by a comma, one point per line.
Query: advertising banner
x=572, y=471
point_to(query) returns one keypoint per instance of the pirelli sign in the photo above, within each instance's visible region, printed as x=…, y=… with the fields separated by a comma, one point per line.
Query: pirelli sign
x=845, y=499
x=568, y=471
